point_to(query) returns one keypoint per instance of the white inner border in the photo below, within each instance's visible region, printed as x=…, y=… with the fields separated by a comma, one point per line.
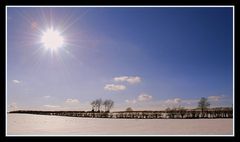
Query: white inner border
x=233, y=8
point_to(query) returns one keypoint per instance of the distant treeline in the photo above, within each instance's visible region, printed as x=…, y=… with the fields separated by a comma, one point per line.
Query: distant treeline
x=175, y=113
x=202, y=111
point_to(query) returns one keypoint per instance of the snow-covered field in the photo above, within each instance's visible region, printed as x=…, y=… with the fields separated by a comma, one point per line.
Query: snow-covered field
x=29, y=124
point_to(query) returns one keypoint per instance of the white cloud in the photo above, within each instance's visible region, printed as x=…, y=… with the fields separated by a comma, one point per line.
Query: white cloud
x=216, y=98
x=46, y=97
x=173, y=101
x=129, y=79
x=71, y=101
x=177, y=100
x=13, y=106
x=131, y=101
x=141, y=98
x=113, y=87
x=121, y=79
x=16, y=81
x=144, y=97
x=190, y=101
x=51, y=106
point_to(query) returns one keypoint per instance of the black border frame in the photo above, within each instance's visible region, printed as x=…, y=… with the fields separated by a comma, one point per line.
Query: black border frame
x=4, y=3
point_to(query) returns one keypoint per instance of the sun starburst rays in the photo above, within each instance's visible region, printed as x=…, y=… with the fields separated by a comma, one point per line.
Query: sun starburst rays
x=52, y=39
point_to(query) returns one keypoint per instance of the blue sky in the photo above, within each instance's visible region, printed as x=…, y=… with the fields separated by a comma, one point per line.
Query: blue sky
x=146, y=58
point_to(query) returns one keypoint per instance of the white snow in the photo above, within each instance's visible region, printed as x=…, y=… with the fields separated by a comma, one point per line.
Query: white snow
x=29, y=124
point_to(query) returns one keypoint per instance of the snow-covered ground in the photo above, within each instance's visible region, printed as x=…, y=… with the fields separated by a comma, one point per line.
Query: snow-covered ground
x=29, y=124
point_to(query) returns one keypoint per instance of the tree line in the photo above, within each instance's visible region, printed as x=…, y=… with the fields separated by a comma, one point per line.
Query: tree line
x=101, y=109
x=96, y=105
x=205, y=111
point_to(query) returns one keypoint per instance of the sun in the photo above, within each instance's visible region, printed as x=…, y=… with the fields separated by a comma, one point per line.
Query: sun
x=52, y=39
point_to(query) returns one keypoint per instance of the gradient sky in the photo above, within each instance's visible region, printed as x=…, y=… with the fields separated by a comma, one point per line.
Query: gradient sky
x=146, y=58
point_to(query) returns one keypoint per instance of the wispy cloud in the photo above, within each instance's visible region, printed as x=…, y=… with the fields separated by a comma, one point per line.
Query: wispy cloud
x=144, y=97
x=51, y=106
x=173, y=101
x=131, y=101
x=113, y=87
x=129, y=79
x=141, y=98
x=16, y=81
x=216, y=98
x=46, y=97
x=72, y=101
x=190, y=101
x=13, y=106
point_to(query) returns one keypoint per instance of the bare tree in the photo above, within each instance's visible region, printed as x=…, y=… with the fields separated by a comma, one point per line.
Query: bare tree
x=105, y=103
x=108, y=105
x=182, y=111
x=93, y=103
x=98, y=104
x=168, y=109
x=129, y=109
x=203, y=104
x=171, y=112
x=111, y=104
